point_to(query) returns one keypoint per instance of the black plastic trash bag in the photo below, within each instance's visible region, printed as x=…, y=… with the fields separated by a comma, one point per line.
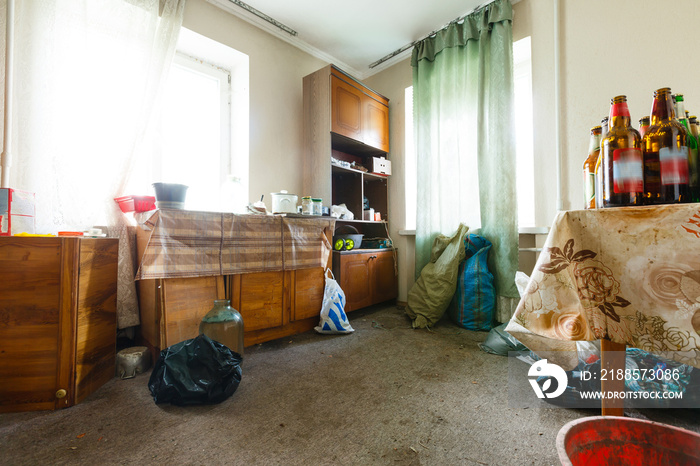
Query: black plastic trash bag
x=196, y=371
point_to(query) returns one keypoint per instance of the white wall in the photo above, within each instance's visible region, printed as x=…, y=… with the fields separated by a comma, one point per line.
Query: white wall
x=276, y=72
x=630, y=47
x=392, y=83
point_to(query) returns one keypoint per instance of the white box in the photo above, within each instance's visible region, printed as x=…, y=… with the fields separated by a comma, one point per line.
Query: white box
x=17, y=209
x=381, y=165
x=369, y=215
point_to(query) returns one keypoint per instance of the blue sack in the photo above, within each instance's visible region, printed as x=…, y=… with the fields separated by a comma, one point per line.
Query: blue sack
x=474, y=302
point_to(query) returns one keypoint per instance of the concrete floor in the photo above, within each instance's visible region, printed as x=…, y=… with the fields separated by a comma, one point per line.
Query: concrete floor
x=385, y=394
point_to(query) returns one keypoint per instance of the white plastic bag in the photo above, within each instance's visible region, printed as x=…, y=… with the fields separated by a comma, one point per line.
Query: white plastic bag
x=333, y=317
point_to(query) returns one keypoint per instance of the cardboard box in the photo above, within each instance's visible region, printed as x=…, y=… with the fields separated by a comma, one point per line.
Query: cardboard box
x=17, y=210
x=381, y=165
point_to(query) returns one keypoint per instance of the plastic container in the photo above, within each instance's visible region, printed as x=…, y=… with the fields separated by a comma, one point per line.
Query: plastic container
x=170, y=195
x=613, y=440
x=225, y=325
x=348, y=232
x=284, y=203
x=136, y=203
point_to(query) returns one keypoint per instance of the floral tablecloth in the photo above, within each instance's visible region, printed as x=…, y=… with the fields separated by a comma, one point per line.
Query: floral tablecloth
x=631, y=275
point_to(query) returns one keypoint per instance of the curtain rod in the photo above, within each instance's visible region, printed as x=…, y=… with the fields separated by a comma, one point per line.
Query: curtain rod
x=265, y=17
x=415, y=42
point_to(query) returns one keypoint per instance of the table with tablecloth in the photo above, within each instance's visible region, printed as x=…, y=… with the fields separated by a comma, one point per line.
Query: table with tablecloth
x=270, y=267
x=185, y=243
x=630, y=275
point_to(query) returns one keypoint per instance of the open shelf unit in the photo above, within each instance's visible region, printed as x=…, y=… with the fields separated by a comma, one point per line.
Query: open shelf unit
x=345, y=125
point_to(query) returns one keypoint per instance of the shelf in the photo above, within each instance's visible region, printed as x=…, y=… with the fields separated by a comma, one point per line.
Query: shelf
x=360, y=221
x=363, y=251
x=354, y=170
x=345, y=144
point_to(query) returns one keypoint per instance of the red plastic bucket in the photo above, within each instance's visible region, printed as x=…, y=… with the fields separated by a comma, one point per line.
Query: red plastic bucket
x=612, y=440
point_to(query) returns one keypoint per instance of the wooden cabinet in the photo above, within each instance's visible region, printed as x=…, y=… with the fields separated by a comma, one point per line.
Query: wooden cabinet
x=366, y=276
x=375, y=116
x=58, y=324
x=345, y=125
x=273, y=304
x=359, y=113
x=347, y=109
x=277, y=304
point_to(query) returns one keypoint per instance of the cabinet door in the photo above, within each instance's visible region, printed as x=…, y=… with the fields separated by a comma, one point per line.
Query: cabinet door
x=375, y=119
x=309, y=285
x=31, y=323
x=346, y=109
x=96, y=332
x=383, y=279
x=355, y=280
x=184, y=301
x=260, y=299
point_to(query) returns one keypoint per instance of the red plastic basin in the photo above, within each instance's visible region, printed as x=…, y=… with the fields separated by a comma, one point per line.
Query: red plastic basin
x=612, y=440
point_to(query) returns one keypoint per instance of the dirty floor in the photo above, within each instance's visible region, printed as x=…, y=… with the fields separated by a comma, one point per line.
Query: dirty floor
x=385, y=394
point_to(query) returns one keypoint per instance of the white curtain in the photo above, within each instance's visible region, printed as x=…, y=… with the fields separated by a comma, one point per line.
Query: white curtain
x=87, y=75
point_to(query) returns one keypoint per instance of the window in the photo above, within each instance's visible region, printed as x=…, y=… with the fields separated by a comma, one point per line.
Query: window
x=202, y=135
x=522, y=84
x=410, y=163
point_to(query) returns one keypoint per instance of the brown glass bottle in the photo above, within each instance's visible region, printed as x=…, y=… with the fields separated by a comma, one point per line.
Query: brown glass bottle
x=665, y=154
x=643, y=125
x=589, y=168
x=623, y=169
x=599, y=169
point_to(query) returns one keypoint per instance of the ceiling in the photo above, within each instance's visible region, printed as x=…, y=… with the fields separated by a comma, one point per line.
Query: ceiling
x=353, y=34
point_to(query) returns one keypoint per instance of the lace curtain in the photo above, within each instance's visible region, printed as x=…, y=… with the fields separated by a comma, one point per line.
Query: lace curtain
x=87, y=75
x=465, y=147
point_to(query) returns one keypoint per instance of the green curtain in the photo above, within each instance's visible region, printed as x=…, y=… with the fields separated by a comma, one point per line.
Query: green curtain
x=465, y=140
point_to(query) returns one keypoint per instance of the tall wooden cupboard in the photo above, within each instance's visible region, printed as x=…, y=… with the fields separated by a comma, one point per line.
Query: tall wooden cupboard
x=346, y=126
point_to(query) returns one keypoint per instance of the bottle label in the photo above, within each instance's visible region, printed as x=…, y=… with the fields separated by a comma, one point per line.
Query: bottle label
x=674, y=165
x=619, y=109
x=628, y=171
x=589, y=188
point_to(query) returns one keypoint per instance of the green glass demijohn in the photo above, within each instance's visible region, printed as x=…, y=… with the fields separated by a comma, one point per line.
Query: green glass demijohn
x=225, y=325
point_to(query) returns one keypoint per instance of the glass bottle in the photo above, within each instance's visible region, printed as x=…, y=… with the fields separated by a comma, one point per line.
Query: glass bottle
x=692, y=142
x=225, y=325
x=604, y=124
x=589, y=168
x=665, y=154
x=643, y=125
x=694, y=125
x=623, y=169
x=599, y=169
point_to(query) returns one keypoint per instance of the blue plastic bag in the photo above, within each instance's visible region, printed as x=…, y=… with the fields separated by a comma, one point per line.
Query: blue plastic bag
x=474, y=302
